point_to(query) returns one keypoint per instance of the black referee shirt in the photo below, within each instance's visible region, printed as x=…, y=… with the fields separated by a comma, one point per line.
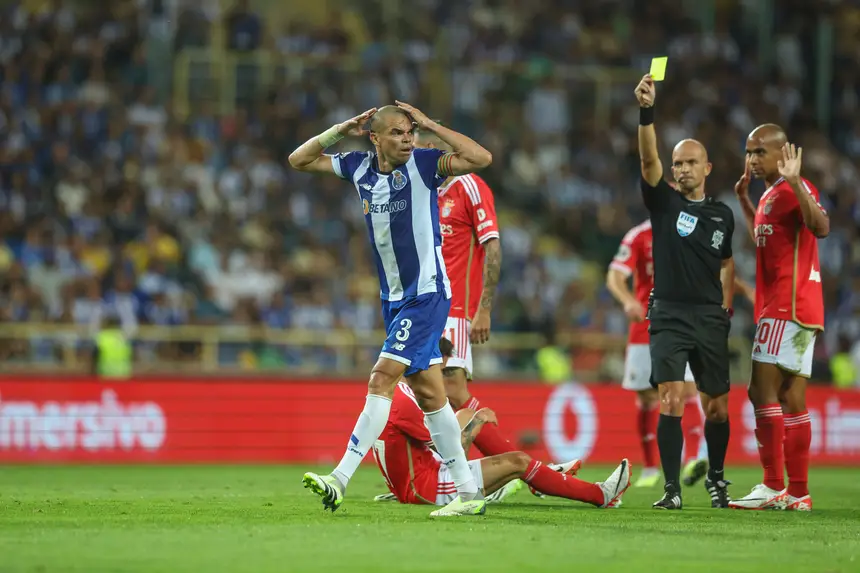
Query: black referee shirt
x=691, y=240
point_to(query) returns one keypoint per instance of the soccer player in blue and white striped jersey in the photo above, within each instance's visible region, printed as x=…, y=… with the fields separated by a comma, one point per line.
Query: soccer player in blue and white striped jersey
x=396, y=185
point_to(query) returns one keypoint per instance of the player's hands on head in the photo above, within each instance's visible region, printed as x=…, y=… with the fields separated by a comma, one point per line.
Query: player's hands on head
x=418, y=116
x=789, y=165
x=634, y=311
x=487, y=416
x=646, y=91
x=480, y=328
x=355, y=126
x=742, y=187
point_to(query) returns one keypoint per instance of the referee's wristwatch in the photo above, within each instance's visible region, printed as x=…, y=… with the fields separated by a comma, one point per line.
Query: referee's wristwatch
x=730, y=312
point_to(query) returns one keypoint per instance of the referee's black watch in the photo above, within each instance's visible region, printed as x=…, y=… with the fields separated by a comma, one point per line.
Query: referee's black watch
x=730, y=312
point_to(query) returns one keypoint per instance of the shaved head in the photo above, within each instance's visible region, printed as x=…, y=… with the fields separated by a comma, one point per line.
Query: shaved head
x=769, y=134
x=690, y=167
x=385, y=115
x=764, y=150
x=392, y=133
x=691, y=146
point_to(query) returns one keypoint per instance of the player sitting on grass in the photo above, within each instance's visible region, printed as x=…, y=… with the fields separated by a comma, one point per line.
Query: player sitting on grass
x=415, y=474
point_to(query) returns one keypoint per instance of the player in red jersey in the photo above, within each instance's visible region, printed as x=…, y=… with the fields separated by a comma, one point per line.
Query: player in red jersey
x=789, y=313
x=472, y=253
x=634, y=258
x=415, y=474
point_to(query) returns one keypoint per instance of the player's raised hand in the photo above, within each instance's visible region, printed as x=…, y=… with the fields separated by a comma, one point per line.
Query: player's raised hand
x=646, y=91
x=742, y=187
x=789, y=165
x=487, y=416
x=355, y=126
x=634, y=311
x=480, y=327
x=418, y=116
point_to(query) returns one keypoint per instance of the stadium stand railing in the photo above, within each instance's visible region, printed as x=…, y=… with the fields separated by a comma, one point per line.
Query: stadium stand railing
x=225, y=349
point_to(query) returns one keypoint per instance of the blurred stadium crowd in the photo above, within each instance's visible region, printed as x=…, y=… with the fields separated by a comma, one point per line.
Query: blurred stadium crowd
x=132, y=191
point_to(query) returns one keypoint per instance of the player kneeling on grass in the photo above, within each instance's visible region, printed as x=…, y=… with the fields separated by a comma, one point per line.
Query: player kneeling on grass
x=415, y=474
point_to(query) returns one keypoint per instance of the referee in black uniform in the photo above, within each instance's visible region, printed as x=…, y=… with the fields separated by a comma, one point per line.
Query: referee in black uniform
x=691, y=307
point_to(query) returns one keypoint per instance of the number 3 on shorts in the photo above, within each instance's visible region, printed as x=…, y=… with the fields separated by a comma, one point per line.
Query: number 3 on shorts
x=403, y=334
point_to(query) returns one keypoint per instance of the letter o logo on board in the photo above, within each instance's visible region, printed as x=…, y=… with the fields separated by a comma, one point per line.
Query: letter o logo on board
x=576, y=399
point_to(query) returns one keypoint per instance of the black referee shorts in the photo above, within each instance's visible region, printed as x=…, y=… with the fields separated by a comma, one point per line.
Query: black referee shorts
x=698, y=334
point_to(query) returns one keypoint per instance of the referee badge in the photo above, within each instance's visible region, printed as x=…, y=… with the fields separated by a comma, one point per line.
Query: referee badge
x=686, y=224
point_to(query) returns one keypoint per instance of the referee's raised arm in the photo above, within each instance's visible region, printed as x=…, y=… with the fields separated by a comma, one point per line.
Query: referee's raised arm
x=652, y=168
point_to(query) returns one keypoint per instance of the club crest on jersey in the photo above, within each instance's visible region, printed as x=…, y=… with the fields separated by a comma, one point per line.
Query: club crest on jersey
x=446, y=208
x=398, y=180
x=686, y=224
x=768, y=205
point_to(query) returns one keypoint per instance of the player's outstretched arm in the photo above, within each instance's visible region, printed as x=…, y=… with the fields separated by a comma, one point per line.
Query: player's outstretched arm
x=652, y=169
x=309, y=155
x=814, y=216
x=467, y=155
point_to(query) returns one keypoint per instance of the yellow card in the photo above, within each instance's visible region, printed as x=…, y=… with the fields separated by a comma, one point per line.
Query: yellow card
x=658, y=68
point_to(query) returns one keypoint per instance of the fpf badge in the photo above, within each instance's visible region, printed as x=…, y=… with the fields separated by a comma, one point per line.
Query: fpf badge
x=686, y=224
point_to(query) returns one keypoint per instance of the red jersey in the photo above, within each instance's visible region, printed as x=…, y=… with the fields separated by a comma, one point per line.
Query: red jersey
x=635, y=258
x=788, y=277
x=403, y=454
x=467, y=215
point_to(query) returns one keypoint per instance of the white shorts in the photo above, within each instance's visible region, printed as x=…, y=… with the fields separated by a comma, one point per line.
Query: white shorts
x=786, y=344
x=637, y=369
x=446, y=491
x=457, y=331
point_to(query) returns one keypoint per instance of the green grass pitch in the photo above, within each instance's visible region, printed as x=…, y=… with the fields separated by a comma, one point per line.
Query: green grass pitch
x=259, y=519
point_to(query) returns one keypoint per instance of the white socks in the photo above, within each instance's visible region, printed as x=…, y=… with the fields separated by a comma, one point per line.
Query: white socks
x=369, y=427
x=445, y=431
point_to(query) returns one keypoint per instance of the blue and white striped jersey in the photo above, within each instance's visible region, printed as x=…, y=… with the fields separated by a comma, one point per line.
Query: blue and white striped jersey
x=402, y=216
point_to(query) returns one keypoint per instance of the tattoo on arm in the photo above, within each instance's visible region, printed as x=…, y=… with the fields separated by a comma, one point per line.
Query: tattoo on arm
x=470, y=432
x=492, y=271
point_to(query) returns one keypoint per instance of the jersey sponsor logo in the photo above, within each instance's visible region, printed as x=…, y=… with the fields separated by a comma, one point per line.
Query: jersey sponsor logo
x=686, y=223
x=392, y=207
x=484, y=225
x=762, y=232
x=398, y=180
x=717, y=239
x=446, y=230
x=447, y=207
